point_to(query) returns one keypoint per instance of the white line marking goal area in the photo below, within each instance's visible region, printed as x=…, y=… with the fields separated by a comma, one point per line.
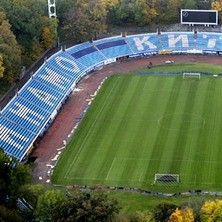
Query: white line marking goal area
x=134, y=171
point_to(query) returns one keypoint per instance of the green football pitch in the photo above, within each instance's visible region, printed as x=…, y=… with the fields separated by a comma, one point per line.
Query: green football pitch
x=142, y=125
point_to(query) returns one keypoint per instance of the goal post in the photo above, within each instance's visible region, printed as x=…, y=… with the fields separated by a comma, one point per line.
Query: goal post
x=191, y=75
x=166, y=179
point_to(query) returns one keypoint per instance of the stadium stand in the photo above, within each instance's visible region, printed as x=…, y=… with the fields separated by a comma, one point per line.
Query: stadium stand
x=86, y=54
x=144, y=43
x=113, y=47
x=209, y=41
x=179, y=41
x=29, y=114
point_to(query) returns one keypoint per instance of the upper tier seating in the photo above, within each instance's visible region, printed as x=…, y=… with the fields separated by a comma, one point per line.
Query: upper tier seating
x=113, y=47
x=87, y=54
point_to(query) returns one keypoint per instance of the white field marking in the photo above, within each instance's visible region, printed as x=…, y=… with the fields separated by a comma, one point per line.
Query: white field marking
x=85, y=178
x=141, y=175
x=133, y=158
x=83, y=142
x=102, y=179
x=192, y=114
x=132, y=181
x=166, y=160
x=107, y=176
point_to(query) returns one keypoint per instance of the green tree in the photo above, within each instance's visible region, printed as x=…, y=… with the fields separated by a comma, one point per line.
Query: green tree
x=145, y=12
x=114, y=11
x=9, y=49
x=163, y=211
x=86, y=207
x=190, y=4
x=163, y=15
x=13, y=176
x=84, y=20
x=31, y=193
x=142, y=217
x=9, y=215
x=173, y=9
x=28, y=18
x=46, y=204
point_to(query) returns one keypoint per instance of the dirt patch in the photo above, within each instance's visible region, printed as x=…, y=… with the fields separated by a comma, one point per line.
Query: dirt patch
x=52, y=144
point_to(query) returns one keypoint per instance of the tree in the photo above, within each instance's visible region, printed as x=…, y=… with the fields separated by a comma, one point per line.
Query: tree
x=173, y=9
x=142, y=217
x=84, y=20
x=47, y=40
x=9, y=50
x=86, y=207
x=211, y=211
x=190, y=4
x=97, y=15
x=31, y=193
x=2, y=68
x=176, y=216
x=217, y=5
x=182, y=215
x=203, y=4
x=163, y=211
x=114, y=11
x=9, y=215
x=145, y=12
x=161, y=6
x=46, y=204
x=13, y=176
x=28, y=18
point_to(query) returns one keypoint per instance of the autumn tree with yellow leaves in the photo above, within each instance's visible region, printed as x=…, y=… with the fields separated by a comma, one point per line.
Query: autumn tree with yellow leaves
x=2, y=69
x=182, y=215
x=211, y=211
x=217, y=5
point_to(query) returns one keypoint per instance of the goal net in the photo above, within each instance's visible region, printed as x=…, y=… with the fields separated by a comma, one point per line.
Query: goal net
x=195, y=75
x=166, y=179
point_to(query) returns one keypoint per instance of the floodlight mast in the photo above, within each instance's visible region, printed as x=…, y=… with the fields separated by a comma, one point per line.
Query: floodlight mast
x=52, y=8
x=52, y=15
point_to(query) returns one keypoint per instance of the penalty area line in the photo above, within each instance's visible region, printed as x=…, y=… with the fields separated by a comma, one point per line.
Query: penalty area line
x=107, y=176
x=87, y=135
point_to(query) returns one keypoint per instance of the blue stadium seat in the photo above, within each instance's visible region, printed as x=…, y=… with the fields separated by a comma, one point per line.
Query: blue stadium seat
x=14, y=139
x=41, y=95
x=177, y=41
x=209, y=41
x=26, y=114
x=144, y=43
x=86, y=54
x=113, y=47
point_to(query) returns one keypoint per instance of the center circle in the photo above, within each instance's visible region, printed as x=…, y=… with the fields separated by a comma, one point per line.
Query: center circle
x=185, y=121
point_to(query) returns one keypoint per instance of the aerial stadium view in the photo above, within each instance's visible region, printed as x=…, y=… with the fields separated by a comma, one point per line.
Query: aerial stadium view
x=111, y=110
